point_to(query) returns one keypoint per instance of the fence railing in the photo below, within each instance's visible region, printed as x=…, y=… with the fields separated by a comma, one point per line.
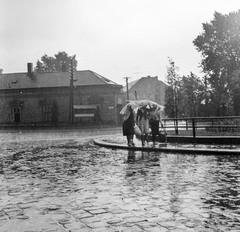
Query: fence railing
x=202, y=126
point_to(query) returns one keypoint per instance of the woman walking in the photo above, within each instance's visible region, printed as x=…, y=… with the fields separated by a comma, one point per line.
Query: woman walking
x=128, y=125
x=143, y=123
x=154, y=120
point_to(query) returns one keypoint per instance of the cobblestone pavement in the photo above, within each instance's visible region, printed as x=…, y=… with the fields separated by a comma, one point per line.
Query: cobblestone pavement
x=54, y=182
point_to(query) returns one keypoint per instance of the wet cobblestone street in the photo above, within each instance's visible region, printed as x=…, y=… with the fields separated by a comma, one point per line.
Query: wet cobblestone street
x=70, y=184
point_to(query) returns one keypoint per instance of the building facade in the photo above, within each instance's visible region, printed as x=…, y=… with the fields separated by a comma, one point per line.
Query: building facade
x=149, y=88
x=45, y=99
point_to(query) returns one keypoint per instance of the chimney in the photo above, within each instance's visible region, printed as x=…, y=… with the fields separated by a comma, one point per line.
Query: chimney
x=30, y=69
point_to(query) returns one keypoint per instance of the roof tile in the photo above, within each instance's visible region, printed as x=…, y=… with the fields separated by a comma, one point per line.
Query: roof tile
x=53, y=79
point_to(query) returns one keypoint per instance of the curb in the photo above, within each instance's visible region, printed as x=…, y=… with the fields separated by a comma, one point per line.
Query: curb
x=205, y=139
x=163, y=148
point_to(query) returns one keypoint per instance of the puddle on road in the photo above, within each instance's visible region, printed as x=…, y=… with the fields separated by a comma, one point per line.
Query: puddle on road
x=197, y=191
x=206, y=187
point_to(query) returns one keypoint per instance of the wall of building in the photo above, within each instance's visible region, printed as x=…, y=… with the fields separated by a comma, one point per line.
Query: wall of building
x=149, y=88
x=5, y=109
x=106, y=97
x=31, y=103
x=35, y=103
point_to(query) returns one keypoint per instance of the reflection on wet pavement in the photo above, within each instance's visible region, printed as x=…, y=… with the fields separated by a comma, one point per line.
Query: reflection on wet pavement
x=73, y=185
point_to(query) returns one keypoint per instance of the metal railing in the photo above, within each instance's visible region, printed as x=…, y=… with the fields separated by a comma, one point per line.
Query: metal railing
x=201, y=126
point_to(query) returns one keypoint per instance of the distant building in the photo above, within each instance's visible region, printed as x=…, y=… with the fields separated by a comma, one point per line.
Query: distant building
x=149, y=88
x=44, y=98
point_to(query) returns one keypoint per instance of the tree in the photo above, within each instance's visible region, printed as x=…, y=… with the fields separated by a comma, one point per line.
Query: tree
x=193, y=95
x=186, y=96
x=173, y=107
x=60, y=62
x=235, y=86
x=219, y=44
x=169, y=102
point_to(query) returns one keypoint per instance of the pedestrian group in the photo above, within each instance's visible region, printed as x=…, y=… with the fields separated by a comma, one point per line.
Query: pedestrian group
x=146, y=119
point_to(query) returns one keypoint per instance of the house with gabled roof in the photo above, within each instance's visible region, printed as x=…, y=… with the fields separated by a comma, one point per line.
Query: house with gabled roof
x=45, y=98
x=149, y=88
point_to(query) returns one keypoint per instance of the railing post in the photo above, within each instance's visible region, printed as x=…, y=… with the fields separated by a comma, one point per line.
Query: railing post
x=193, y=128
x=176, y=126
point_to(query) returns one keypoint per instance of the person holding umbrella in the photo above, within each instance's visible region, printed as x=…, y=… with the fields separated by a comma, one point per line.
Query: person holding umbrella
x=143, y=122
x=154, y=120
x=128, y=125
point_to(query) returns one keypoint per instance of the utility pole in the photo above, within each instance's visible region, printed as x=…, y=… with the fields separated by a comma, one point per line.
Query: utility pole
x=135, y=94
x=71, y=94
x=127, y=87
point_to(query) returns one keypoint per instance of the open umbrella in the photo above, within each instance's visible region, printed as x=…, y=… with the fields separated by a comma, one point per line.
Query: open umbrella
x=143, y=103
x=125, y=109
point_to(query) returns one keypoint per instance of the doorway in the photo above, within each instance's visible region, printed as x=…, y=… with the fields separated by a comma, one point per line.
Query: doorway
x=17, y=114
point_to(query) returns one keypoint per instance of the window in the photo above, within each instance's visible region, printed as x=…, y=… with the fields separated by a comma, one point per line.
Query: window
x=17, y=114
x=46, y=110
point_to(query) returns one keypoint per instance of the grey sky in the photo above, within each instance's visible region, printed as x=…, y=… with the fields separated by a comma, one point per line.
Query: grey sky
x=115, y=38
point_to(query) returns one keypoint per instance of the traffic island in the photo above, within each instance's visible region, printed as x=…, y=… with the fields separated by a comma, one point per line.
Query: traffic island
x=170, y=147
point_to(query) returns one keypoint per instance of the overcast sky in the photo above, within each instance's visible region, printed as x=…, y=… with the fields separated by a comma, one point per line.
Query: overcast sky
x=115, y=38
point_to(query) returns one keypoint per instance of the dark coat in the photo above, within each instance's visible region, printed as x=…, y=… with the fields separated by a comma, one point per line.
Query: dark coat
x=128, y=124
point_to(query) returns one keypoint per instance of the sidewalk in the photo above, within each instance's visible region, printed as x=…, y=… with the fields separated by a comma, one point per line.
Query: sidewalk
x=119, y=142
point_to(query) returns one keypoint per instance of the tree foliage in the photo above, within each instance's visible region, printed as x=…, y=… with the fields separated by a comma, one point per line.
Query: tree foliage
x=194, y=96
x=186, y=96
x=235, y=93
x=60, y=62
x=218, y=93
x=219, y=44
x=173, y=94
